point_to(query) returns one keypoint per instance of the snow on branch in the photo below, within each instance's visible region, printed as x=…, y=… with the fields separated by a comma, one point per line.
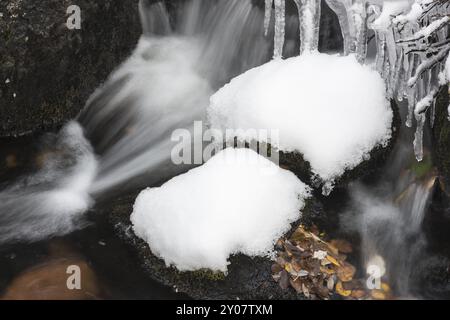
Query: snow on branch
x=412, y=44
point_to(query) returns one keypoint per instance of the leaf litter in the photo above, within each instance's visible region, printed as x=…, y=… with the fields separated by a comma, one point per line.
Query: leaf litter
x=318, y=269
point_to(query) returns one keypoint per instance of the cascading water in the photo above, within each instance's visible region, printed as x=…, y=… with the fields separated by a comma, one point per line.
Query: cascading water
x=123, y=135
x=389, y=219
x=124, y=132
x=51, y=201
x=166, y=84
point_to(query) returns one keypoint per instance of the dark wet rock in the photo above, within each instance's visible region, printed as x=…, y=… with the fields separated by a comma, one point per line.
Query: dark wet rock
x=47, y=71
x=248, y=278
x=436, y=224
x=368, y=169
x=441, y=137
x=431, y=277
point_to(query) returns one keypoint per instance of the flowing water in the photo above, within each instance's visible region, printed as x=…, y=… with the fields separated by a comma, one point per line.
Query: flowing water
x=122, y=141
x=389, y=217
x=122, y=138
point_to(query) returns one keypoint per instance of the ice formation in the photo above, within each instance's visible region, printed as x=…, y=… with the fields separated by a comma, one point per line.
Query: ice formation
x=309, y=14
x=238, y=202
x=445, y=79
x=333, y=119
x=412, y=44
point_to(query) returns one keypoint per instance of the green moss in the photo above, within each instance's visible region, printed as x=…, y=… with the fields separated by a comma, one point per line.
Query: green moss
x=420, y=169
x=208, y=274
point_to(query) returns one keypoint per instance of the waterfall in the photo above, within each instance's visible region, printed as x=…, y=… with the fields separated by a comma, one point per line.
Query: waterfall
x=389, y=219
x=122, y=138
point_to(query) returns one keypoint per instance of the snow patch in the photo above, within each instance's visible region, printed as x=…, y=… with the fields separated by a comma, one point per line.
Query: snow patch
x=227, y=206
x=331, y=109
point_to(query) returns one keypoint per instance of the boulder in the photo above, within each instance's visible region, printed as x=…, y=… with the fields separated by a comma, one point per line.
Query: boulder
x=47, y=71
x=247, y=278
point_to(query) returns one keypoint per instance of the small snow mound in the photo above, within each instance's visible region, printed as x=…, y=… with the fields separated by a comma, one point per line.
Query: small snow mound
x=331, y=109
x=227, y=206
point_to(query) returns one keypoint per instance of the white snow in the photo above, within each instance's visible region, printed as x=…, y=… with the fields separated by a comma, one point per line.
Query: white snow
x=423, y=104
x=390, y=10
x=229, y=205
x=331, y=109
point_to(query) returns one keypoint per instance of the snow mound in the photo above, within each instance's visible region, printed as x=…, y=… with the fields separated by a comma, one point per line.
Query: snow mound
x=331, y=109
x=229, y=205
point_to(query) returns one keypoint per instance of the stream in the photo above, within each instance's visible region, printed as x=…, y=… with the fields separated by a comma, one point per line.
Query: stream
x=53, y=184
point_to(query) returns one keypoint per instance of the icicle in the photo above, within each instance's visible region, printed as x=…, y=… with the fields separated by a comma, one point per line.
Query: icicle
x=280, y=21
x=433, y=113
x=418, y=138
x=267, y=16
x=411, y=92
x=411, y=105
x=309, y=22
x=391, y=49
x=397, y=76
x=359, y=16
x=420, y=114
x=352, y=15
x=339, y=8
x=381, y=52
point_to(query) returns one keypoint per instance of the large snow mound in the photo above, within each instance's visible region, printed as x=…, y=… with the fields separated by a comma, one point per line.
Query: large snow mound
x=237, y=202
x=330, y=108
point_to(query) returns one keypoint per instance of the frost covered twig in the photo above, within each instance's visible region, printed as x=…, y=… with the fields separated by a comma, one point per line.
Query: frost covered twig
x=412, y=47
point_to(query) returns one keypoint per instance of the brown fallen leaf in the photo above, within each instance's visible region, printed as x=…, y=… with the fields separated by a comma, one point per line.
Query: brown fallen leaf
x=353, y=285
x=358, y=294
x=284, y=280
x=332, y=260
x=333, y=250
x=326, y=270
x=281, y=261
x=342, y=245
x=340, y=290
x=322, y=291
x=288, y=267
x=296, y=265
x=346, y=272
x=385, y=287
x=291, y=249
x=378, y=295
x=297, y=285
x=276, y=268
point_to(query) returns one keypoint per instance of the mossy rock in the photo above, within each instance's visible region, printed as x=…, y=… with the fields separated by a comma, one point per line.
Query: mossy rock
x=247, y=278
